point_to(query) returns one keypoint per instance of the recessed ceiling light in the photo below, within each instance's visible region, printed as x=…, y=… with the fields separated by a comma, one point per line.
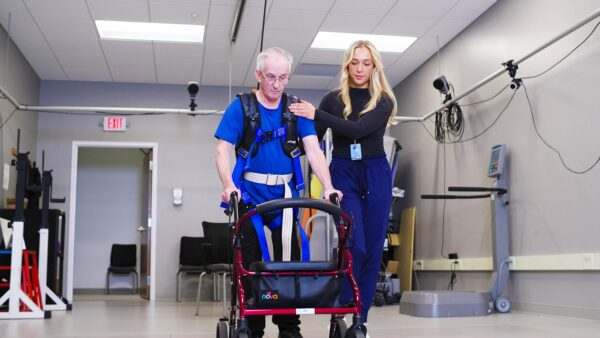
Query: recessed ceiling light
x=383, y=43
x=148, y=31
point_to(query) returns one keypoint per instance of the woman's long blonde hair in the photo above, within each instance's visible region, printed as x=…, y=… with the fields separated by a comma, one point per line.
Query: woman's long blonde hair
x=378, y=84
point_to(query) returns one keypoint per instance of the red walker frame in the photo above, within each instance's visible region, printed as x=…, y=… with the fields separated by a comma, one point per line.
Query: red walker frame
x=344, y=264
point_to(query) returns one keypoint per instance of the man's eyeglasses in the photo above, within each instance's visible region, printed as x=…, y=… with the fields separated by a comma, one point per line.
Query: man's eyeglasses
x=271, y=79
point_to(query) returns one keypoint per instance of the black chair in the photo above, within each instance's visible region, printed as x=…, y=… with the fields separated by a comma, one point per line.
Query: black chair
x=218, y=241
x=123, y=261
x=191, y=259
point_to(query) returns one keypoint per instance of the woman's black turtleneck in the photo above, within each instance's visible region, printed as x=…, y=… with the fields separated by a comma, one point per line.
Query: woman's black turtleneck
x=368, y=129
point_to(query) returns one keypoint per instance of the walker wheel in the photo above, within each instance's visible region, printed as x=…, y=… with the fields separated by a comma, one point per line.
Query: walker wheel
x=379, y=299
x=356, y=332
x=339, y=328
x=242, y=334
x=222, y=329
x=502, y=305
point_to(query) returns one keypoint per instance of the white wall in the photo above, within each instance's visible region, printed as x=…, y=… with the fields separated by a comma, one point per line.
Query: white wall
x=110, y=185
x=185, y=144
x=19, y=78
x=552, y=210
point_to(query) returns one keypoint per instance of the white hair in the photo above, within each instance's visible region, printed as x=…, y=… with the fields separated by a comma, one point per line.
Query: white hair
x=273, y=51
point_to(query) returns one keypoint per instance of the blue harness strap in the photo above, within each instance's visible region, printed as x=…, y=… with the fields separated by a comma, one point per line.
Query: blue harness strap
x=258, y=224
x=242, y=164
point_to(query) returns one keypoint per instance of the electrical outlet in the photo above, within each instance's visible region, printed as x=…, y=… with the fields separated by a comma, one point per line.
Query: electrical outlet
x=419, y=265
x=453, y=256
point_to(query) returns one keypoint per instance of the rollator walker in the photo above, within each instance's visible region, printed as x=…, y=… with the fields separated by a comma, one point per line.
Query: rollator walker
x=291, y=288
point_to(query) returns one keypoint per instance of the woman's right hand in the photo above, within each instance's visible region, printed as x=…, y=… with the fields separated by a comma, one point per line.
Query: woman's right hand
x=303, y=109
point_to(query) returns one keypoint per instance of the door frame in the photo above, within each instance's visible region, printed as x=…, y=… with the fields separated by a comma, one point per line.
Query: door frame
x=73, y=204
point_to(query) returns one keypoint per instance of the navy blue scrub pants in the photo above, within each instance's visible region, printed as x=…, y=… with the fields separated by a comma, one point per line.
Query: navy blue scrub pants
x=367, y=189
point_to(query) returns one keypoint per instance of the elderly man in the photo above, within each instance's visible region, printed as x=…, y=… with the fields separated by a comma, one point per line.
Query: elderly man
x=268, y=140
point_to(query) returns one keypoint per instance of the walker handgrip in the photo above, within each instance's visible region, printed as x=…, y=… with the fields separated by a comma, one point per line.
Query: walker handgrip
x=310, y=203
x=233, y=204
x=335, y=199
x=233, y=198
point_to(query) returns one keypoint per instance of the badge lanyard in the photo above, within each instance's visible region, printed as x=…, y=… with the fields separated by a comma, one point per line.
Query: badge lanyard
x=355, y=151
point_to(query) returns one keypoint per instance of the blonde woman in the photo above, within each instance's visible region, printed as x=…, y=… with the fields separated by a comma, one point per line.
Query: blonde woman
x=358, y=113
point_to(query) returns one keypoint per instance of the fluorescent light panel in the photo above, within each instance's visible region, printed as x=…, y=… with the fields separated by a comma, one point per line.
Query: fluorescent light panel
x=383, y=43
x=148, y=31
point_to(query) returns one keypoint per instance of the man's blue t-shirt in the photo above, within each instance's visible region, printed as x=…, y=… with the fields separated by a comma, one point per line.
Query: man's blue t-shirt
x=270, y=158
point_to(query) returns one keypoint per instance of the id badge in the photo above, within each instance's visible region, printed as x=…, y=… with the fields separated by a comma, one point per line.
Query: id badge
x=355, y=152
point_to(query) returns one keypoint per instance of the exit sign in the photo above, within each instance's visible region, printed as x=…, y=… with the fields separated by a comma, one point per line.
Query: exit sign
x=115, y=123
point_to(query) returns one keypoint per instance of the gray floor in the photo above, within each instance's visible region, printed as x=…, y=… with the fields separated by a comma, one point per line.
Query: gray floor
x=127, y=316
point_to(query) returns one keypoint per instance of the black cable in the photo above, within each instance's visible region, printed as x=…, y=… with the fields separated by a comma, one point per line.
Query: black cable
x=439, y=127
x=485, y=100
x=491, y=125
x=8, y=119
x=455, y=124
x=564, y=57
x=551, y=147
x=476, y=136
x=444, y=205
x=453, y=277
x=262, y=34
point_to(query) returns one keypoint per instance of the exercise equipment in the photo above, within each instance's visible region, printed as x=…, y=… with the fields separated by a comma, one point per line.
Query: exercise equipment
x=47, y=293
x=447, y=303
x=15, y=294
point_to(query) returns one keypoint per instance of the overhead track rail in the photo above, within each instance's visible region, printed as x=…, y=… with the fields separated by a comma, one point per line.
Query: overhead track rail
x=501, y=71
x=107, y=110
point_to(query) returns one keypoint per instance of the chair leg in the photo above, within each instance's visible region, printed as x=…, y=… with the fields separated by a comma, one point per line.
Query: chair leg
x=178, y=293
x=136, y=281
x=224, y=294
x=198, y=293
x=215, y=287
x=107, y=290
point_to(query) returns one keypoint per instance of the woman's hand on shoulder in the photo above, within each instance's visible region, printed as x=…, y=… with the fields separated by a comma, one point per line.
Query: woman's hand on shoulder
x=303, y=109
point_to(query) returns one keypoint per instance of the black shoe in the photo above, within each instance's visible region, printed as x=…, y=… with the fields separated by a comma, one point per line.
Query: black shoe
x=290, y=333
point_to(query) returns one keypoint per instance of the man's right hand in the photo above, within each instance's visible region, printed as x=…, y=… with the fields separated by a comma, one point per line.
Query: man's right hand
x=227, y=193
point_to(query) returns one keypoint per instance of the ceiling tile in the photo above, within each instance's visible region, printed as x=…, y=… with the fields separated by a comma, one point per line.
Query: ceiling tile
x=131, y=74
x=280, y=18
x=446, y=29
x=362, y=6
x=40, y=57
x=216, y=56
x=84, y=65
x=323, y=56
x=469, y=9
x=404, y=26
x=187, y=57
x=252, y=17
x=15, y=7
x=71, y=9
x=191, y=13
x=350, y=22
x=68, y=28
x=118, y=10
x=123, y=54
x=422, y=8
x=222, y=16
x=20, y=24
x=296, y=46
x=320, y=5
